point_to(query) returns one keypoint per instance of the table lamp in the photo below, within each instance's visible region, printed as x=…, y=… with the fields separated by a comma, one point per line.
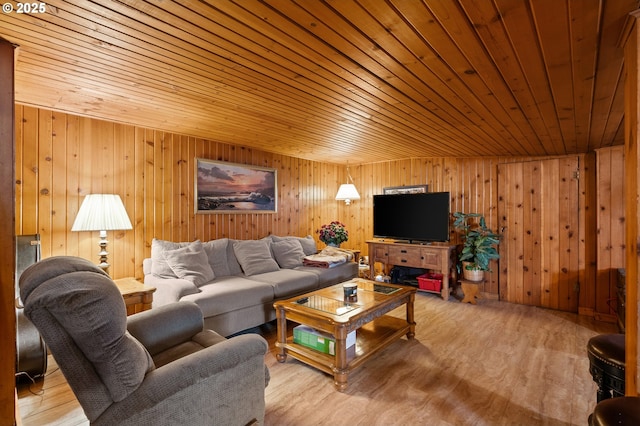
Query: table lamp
x=102, y=212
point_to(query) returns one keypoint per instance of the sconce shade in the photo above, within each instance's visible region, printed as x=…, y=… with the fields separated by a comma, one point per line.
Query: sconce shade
x=347, y=192
x=101, y=212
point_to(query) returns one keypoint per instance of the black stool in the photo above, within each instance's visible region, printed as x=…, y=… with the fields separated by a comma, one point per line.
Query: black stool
x=606, y=364
x=624, y=411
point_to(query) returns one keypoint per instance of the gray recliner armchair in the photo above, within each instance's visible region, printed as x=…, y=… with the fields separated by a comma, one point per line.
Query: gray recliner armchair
x=157, y=367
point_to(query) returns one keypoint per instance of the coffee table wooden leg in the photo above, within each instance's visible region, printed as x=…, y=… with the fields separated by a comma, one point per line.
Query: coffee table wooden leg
x=281, y=319
x=410, y=317
x=340, y=370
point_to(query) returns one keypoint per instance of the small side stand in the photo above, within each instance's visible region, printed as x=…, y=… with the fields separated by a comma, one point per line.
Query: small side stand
x=471, y=290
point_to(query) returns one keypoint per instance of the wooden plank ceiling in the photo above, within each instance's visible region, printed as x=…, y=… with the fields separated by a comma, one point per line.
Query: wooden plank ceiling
x=336, y=80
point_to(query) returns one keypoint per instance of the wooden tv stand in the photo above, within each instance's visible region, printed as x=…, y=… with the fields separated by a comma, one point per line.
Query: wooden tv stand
x=439, y=257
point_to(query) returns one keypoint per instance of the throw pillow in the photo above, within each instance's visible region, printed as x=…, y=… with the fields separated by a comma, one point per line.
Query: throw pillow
x=190, y=263
x=159, y=266
x=288, y=253
x=254, y=257
x=308, y=244
x=217, y=252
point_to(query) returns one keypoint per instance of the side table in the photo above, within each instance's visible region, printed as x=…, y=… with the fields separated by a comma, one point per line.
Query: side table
x=137, y=296
x=470, y=290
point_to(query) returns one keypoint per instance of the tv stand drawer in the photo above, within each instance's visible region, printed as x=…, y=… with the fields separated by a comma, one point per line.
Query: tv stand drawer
x=379, y=254
x=404, y=257
x=431, y=259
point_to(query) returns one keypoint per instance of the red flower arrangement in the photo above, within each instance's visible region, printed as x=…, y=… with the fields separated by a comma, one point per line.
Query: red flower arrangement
x=333, y=233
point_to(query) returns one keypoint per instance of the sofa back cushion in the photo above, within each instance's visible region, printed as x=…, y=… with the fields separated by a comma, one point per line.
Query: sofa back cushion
x=308, y=244
x=232, y=261
x=254, y=256
x=190, y=263
x=217, y=253
x=159, y=265
x=288, y=253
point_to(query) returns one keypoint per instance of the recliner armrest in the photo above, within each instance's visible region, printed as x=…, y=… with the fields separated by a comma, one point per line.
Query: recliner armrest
x=225, y=384
x=161, y=328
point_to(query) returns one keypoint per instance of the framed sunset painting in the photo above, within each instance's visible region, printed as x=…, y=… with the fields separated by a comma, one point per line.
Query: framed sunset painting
x=222, y=187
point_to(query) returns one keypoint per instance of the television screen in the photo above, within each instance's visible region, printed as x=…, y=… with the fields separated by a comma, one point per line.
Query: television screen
x=414, y=217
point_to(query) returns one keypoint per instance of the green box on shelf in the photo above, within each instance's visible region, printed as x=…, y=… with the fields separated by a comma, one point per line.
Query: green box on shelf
x=320, y=341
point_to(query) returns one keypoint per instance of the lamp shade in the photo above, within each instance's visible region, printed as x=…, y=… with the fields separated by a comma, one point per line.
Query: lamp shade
x=101, y=212
x=347, y=192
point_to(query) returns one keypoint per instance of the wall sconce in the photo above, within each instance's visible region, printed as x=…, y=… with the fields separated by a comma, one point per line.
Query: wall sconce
x=102, y=212
x=348, y=191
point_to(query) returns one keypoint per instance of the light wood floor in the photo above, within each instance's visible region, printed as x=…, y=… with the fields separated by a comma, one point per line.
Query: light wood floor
x=494, y=363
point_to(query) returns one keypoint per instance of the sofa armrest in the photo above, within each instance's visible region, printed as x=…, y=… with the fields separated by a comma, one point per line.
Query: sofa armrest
x=161, y=328
x=146, y=266
x=169, y=290
x=221, y=384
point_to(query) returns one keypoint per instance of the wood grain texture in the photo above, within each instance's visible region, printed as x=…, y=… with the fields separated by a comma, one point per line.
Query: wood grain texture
x=631, y=44
x=492, y=363
x=7, y=239
x=610, y=223
x=153, y=171
x=352, y=80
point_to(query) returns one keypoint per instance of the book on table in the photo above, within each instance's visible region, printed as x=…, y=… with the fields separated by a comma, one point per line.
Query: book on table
x=321, y=341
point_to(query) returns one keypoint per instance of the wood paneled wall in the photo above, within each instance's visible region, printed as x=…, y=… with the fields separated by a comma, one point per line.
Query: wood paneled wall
x=60, y=158
x=610, y=228
x=472, y=183
x=539, y=207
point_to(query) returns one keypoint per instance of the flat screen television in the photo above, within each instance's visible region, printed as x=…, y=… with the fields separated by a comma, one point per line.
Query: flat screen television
x=414, y=217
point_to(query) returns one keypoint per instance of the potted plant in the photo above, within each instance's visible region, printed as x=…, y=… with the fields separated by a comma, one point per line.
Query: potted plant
x=333, y=233
x=478, y=245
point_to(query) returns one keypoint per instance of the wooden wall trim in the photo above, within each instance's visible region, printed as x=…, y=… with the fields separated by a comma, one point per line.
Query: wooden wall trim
x=7, y=240
x=632, y=162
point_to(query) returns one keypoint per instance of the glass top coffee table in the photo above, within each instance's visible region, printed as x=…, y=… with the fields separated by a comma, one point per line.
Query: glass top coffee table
x=325, y=310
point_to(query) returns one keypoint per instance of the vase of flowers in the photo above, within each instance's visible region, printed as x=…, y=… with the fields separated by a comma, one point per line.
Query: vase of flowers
x=333, y=234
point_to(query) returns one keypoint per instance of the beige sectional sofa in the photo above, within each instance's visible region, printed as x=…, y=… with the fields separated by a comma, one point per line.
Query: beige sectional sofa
x=235, y=282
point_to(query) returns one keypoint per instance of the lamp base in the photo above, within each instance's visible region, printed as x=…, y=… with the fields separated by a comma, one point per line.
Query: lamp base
x=104, y=264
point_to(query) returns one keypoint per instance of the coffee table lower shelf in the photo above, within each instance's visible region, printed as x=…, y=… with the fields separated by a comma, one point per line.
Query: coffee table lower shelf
x=370, y=339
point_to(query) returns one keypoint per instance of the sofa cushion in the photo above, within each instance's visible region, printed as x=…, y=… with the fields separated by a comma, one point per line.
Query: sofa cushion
x=229, y=294
x=232, y=261
x=254, y=257
x=217, y=252
x=330, y=276
x=289, y=282
x=170, y=289
x=288, y=253
x=159, y=266
x=190, y=263
x=308, y=244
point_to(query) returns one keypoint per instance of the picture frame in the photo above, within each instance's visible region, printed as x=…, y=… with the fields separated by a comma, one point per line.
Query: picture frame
x=411, y=189
x=224, y=187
